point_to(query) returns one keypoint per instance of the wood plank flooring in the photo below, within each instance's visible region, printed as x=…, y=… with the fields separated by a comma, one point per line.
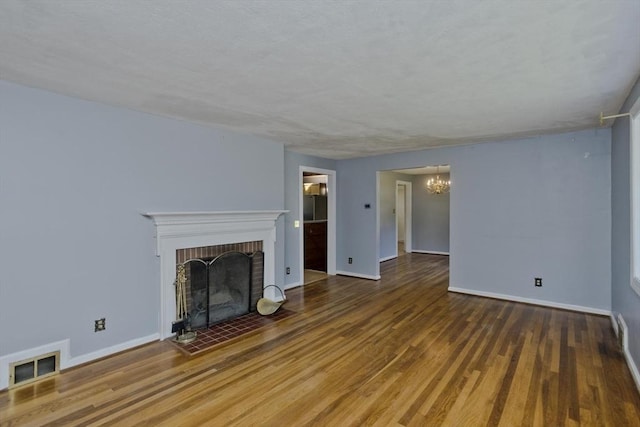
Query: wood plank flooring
x=399, y=351
x=311, y=276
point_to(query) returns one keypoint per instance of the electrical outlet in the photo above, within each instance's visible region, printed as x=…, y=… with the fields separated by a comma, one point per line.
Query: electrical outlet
x=288, y=270
x=538, y=282
x=350, y=260
x=100, y=325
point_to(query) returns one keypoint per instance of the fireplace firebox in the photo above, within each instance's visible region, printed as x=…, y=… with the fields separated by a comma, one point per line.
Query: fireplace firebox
x=222, y=287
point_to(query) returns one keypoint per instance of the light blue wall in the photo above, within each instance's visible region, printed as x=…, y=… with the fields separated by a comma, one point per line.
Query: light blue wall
x=431, y=217
x=74, y=178
x=624, y=300
x=357, y=235
x=536, y=207
x=292, y=162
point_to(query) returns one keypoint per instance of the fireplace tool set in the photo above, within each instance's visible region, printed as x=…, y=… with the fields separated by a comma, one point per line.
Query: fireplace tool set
x=182, y=325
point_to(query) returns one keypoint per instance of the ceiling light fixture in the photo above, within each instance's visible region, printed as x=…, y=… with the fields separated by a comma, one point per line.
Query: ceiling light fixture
x=437, y=185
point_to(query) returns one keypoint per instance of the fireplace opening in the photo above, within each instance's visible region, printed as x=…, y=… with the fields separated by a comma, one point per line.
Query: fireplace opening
x=222, y=287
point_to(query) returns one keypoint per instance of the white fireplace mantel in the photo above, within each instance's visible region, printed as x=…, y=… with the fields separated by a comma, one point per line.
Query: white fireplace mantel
x=181, y=230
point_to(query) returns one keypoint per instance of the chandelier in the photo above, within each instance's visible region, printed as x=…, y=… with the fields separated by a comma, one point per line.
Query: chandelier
x=437, y=185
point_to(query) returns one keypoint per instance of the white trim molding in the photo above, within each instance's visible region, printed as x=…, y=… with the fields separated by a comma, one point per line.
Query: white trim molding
x=358, y=275
x=182, y=230
x=104, y=352
x=620, y=326
x=292, y=285
x=634, y=195
x=430, y=252
x=614, y=324
x=388, y=258
x=533, y=301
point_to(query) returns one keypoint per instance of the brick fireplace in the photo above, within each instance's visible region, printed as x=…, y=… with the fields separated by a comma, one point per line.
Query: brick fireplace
x=177, y=231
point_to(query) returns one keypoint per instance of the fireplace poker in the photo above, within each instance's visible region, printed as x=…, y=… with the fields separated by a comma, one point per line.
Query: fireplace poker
x=183, y=336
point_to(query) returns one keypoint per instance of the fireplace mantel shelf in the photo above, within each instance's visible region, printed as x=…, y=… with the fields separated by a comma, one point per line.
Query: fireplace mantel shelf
x=207, y=217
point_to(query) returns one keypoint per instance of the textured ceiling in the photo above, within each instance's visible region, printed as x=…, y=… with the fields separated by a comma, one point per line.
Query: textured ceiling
x=336, y=79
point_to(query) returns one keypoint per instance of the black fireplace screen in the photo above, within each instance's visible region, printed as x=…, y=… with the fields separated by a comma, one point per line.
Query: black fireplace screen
x=218, y=289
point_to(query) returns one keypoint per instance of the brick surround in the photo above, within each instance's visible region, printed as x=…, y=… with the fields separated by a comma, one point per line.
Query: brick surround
x=213, y=251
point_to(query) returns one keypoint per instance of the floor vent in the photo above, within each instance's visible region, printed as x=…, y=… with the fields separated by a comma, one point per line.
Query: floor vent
x=33, y=369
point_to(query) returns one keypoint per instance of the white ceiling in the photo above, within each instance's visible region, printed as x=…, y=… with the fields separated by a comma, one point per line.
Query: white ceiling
x=336, y=79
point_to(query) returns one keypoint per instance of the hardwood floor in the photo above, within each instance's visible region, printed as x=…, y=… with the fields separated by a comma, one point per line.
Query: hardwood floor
x=311, y=276
x=400, y=351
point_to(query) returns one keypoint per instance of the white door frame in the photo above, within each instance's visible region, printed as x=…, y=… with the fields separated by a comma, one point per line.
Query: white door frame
x=331, y=217
x=407, y=215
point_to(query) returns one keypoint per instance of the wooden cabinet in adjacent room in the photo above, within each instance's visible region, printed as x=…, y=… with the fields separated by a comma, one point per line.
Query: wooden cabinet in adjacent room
x=315, y=245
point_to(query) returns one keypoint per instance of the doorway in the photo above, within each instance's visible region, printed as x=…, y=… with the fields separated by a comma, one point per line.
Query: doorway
x=403, y=217
x=419, y=219
x=318, y=235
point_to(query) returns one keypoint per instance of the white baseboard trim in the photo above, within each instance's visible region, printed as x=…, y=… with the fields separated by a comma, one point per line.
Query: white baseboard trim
x=614, y=324
x=66, y=361
x=430, y=252
x=387, y=258
x=633, y=367
x=544, y=303
x=358, y=275
x=78, y=360
x=293, y=285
